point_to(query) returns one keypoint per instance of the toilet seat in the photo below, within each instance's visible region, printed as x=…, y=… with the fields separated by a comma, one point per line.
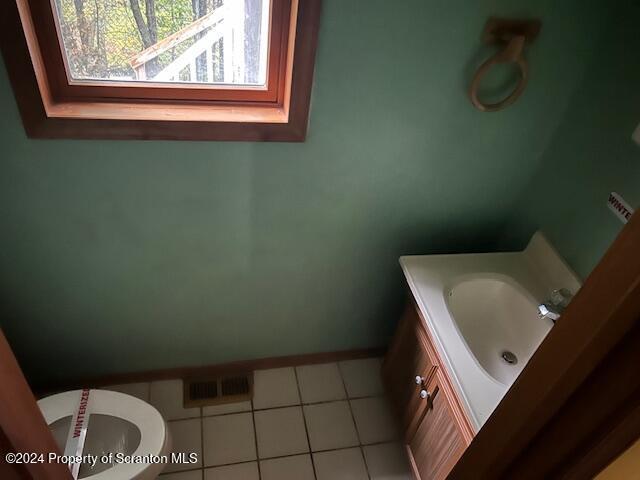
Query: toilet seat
x=154, y=437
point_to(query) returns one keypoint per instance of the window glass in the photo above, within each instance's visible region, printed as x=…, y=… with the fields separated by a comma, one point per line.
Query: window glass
x=186, y=41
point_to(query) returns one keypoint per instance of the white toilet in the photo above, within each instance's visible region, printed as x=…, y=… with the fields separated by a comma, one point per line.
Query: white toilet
x=118, y=423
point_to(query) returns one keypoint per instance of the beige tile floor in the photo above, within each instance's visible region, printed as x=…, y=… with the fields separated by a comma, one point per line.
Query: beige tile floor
x=315, y=422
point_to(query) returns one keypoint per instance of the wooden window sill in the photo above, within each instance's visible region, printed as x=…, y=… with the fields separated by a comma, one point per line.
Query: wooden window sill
x=166, y=112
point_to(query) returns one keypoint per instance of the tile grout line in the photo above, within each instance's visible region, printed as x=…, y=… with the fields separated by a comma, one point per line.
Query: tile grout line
x=244, y=462
x=188, y=470
x=183, y=419
x=364, y=460
x=363, y=397
x=326, y=450
x=355, y=425
x=304, y=420
x=348, y=400
x=255, y=439
x=278, y=457
x=323, y=402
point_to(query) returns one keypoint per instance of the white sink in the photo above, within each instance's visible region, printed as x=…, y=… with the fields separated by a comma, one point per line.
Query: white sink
x=481, y=310
x=499, y=322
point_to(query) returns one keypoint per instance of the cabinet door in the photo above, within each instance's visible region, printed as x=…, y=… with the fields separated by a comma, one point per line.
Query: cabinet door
x=406, y=360
x=438, y=442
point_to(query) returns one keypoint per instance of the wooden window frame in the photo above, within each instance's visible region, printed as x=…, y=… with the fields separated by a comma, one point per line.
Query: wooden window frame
x=54, y=106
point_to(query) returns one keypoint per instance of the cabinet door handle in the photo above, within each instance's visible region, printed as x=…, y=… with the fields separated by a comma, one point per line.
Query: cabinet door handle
x=419, y=380
x=428, y=396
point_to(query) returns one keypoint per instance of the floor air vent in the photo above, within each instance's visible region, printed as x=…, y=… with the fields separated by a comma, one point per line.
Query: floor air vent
x=235, y=386
x=203, y=390
x=200, y=392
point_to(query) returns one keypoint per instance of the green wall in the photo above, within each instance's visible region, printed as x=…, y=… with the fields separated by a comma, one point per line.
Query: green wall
x=121, y=256
x=591, y=154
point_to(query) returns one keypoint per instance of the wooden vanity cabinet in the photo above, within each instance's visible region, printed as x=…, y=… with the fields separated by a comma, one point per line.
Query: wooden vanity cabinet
x=438, y=442
x=406, y=360
x=436, y=429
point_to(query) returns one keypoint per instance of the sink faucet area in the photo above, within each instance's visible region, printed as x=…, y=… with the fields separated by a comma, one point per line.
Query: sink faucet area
x=552, y=308
x=488, y=313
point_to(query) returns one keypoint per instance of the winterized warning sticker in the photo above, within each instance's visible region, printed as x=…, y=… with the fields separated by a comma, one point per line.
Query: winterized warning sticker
x=78, y=431
x=618, y=206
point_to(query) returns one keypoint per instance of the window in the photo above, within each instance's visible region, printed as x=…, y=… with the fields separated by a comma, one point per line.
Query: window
x=167, y=69
x=205, y=42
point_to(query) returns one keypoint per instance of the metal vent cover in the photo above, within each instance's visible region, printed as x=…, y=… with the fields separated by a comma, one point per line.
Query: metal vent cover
x=218, y=390
x=203, y=390
x=235, y=385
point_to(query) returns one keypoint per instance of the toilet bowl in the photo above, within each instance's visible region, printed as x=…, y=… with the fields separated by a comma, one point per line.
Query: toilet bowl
x=121, y=425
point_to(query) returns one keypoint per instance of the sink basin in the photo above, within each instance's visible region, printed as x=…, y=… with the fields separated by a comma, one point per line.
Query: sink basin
x=499, y=323
x=481, y=310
